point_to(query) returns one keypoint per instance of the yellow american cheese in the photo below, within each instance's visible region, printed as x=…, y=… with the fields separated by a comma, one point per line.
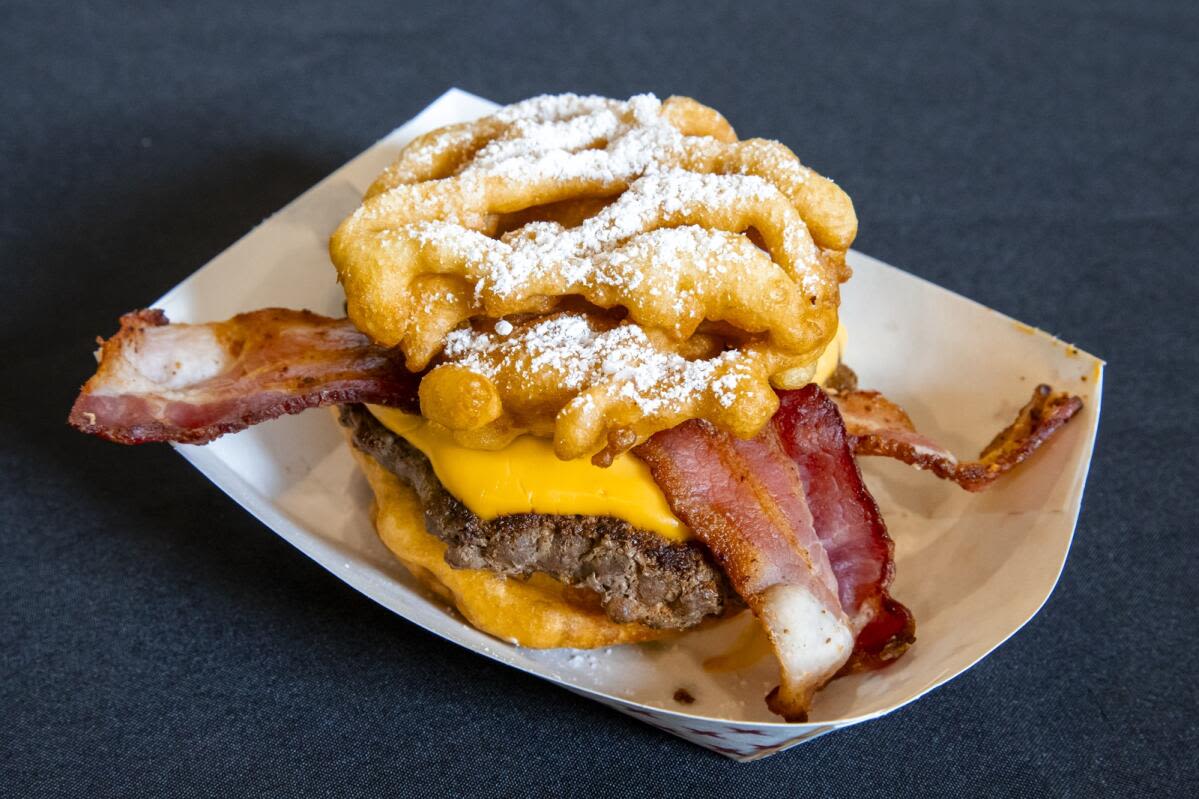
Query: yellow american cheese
x=527, y=477
x=826, y=364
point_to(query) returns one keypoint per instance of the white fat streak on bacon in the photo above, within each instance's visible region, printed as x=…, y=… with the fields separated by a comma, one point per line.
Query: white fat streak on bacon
x=192, y=383
x=846, y=517
x=765, y=458
x=745, y=501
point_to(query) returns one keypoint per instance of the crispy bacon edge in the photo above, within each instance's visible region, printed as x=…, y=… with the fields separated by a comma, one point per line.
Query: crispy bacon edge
x=158, y=381
x=878, y=426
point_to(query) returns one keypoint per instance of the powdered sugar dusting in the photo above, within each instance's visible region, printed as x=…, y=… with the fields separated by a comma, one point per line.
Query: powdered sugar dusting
x=570, y=351
x=570, y=138
x=618, y=148
x=668, y=244
x=648, y=226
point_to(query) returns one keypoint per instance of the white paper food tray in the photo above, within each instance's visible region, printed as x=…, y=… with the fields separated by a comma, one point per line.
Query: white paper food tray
x=973, y=568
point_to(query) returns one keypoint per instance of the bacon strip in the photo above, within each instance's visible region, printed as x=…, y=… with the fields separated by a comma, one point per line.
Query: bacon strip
x=880, y=427
x=745, y=501
x=192, y=383
x=849, y=524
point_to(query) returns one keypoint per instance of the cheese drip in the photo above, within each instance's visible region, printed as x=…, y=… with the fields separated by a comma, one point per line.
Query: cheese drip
x=527, y=477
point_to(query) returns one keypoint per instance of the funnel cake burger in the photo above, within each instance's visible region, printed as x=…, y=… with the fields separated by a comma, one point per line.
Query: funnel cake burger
x=591, y=369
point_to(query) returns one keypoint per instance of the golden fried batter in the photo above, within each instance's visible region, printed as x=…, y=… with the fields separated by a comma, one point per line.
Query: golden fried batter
x=652, y=215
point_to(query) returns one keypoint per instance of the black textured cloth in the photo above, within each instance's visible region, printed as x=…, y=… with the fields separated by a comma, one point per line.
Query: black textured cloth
x=1041, y=158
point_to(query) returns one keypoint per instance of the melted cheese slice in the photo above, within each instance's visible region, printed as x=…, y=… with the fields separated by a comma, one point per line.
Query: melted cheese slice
x=527, y=477
x=826, y=364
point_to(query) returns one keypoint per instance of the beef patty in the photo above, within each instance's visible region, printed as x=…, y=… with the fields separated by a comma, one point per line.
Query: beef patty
x=639, y=576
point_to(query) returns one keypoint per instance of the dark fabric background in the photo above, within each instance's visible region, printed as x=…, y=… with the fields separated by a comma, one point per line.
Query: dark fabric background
x=156, y=640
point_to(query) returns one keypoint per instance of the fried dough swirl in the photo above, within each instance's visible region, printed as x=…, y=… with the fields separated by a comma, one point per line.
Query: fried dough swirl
x=651, y=214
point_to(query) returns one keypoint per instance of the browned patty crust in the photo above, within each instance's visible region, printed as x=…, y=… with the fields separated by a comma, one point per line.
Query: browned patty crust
x=639, y=576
